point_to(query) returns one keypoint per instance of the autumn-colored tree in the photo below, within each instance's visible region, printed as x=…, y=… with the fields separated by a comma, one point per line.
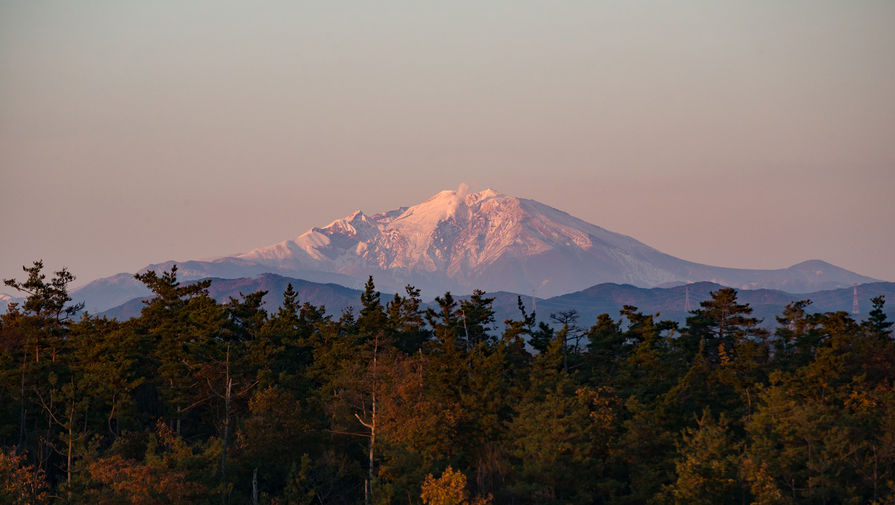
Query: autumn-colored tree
x=449, y=489
x=21, y=483
x=399, y=402
x=122, y=481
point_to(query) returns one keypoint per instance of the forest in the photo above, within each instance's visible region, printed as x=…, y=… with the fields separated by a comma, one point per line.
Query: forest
x=394, y=402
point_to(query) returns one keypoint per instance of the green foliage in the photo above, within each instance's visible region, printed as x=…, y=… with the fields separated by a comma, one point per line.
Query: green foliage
x=299, y=489
x=196, y=401
x=46, y=299
x=708, y=466
x=876, y=324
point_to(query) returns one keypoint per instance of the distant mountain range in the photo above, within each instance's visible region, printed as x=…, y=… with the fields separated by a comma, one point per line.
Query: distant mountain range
x=459, y=242
x=5, y=300
x=333, y=297
x=675, y=303
x=670, y=303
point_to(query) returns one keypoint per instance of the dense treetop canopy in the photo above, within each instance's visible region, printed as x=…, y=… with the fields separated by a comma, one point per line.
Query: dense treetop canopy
x=196, y=401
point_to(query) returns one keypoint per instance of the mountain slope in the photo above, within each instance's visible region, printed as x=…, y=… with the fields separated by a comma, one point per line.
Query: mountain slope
x=332, y=297
x=670, y=303
x=675, y=303
x=491, y=241
x=460, y=242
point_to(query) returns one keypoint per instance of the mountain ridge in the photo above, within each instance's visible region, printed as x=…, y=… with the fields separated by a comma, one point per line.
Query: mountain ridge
x=459, y=241
x=672, y=303
x=492, y=241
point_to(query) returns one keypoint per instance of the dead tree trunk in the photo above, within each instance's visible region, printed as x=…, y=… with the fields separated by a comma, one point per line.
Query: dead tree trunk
x=371, y=425
x=255, y=487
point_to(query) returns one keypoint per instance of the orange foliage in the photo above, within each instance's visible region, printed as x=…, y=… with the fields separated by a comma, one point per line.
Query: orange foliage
x=128, y=481
x=21, y=483
x=449, y=489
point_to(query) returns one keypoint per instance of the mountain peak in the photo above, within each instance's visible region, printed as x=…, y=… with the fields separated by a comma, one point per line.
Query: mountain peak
x=461, y=240
x=484, y=195
x=462, y=194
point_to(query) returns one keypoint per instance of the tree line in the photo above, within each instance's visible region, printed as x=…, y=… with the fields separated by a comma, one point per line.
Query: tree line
x=196, y=401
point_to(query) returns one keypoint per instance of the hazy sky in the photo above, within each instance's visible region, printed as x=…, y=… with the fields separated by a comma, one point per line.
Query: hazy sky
x=741, y=133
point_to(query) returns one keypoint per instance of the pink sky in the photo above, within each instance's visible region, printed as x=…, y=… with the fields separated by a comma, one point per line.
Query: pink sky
x=756, y=135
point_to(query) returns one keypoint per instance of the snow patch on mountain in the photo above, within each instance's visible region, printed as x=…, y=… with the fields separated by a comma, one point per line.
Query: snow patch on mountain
x=460, y=240
x=5, y=300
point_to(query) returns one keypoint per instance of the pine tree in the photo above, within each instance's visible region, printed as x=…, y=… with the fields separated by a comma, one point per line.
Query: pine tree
x=708, y=465
x=731, y=356
x=876, y=324
x=797, y=338
x=180, y=328
x=605, y=350
x=478, y=316
x=42, y=332
x=406, y=322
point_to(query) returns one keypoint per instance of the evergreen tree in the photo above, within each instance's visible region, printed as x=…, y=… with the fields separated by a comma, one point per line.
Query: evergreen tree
x=181, y=329
x=731, y=355
x=797, y=338
x=557, y=434
x=708, y=466
x=195, y=401
x=40, y=334
x=477, y=316
x=877, y=324
x=406, y=322
x=606, y=349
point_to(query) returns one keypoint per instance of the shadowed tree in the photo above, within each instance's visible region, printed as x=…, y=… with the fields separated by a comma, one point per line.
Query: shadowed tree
x=181, y=327
x=708, y=465
x=39, y=332
x=877, y=324
x=730, y=357
x=406, y=321
x=796, y=337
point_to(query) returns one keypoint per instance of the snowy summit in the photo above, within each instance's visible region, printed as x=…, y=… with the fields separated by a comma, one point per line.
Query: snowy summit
x=462, y=241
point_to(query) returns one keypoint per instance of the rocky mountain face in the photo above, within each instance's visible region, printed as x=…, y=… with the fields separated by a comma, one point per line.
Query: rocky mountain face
x=491, y=241
x=486, y=240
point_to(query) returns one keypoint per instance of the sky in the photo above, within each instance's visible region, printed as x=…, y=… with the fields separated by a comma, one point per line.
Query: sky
x=754, y=134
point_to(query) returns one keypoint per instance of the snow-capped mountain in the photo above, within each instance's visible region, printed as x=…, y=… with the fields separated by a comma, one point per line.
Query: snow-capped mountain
x=462, y=241
x=492, y=241
x=5, y=300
